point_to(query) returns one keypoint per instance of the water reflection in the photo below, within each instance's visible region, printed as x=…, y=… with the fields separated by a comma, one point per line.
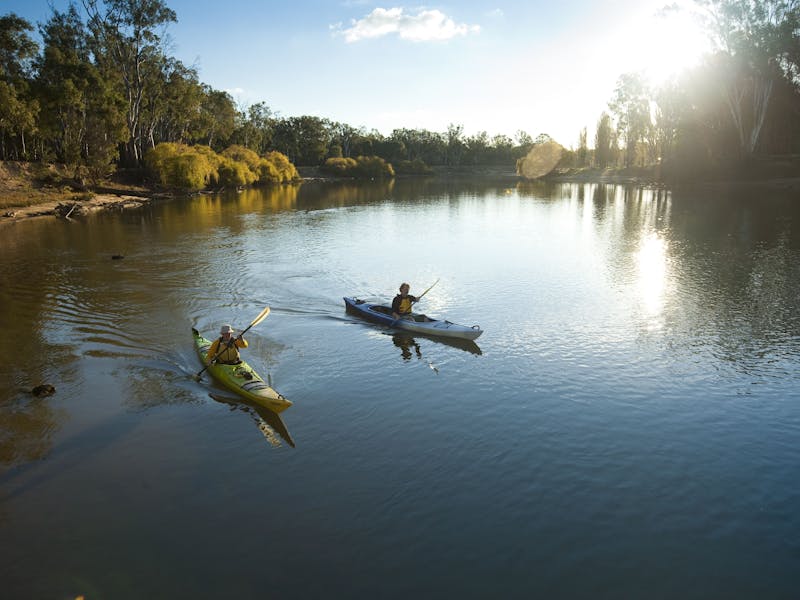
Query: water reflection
x=27, y=427
x=407, y=343
x=268, y=422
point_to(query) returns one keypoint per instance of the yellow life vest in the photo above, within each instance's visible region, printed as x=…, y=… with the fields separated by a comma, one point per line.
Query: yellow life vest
x=228, y=354
x=405, y=305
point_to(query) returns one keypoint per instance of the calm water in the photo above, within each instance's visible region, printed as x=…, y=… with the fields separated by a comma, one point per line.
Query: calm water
x=628, y=426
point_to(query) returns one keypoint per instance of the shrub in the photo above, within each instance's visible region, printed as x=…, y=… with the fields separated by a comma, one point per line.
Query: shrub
x=181, y=166
x=234, y=173
x=363, y=167
x=372, y=167
x=286, y=170
x=411, y=167
x=339, y=167
x=197, y=167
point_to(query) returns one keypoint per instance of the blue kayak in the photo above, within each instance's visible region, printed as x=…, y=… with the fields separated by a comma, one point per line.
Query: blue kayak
x=416, y=322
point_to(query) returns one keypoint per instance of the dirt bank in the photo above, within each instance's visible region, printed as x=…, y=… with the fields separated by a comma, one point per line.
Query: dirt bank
x=32, y=190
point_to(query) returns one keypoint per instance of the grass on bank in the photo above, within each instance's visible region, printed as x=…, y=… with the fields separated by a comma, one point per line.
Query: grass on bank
x=30, y=184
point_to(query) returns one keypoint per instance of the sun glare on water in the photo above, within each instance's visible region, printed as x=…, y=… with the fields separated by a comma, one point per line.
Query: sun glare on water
x=652, y=277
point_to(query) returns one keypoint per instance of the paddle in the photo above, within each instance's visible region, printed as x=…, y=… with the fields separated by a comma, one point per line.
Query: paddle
x=261, y=316
x=426, y=291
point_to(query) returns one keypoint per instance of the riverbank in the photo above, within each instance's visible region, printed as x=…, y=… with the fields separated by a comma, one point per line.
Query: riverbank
x=33, y=190
x=771, y=171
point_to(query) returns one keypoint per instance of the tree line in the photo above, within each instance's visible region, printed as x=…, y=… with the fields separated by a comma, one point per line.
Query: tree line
x=740, y=101
x=101, y=90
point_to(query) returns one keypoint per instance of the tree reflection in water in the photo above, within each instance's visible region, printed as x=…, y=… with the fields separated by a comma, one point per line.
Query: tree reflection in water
x=27, y=425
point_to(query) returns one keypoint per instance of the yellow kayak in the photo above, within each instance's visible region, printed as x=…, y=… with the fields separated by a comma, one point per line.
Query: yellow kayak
x=242, y=379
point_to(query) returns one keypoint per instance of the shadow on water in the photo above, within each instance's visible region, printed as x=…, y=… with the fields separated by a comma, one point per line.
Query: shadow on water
x=267, y=421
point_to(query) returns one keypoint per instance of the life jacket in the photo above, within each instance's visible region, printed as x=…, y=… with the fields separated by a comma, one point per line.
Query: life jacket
x=404, y=308
x=228, y=354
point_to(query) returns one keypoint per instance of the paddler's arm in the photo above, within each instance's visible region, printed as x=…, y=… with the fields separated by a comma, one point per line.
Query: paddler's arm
x=240, y=342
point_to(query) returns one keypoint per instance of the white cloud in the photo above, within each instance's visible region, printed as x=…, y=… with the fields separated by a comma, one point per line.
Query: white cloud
x=424, y=26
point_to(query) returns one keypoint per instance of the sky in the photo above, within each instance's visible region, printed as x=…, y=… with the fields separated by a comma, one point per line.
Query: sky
x=499, y=67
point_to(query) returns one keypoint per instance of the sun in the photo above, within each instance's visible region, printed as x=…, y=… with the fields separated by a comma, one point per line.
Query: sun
x=669, y=44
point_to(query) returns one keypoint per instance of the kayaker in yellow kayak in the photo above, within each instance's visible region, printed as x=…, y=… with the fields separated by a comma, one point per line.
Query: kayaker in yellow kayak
x=226, y=348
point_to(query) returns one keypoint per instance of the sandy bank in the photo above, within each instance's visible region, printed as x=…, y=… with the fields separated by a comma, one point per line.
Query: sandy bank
x=69, y=209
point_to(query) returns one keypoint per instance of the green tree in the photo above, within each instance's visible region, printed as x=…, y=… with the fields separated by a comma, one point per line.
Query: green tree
x=18, y=110
x=524, y=143
x=81, y=118
x=582, y=155
x=128, y=45
x=172, y=109
x=217, y=119
x=603, y=151
x=759, y=44
x=344, y=135
x=455, y=145
x=305, y=139
x=631, y=106
x=477, y=149
x=254, y=128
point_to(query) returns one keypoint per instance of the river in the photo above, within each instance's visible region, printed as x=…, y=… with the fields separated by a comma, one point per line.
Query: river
x=628, y=424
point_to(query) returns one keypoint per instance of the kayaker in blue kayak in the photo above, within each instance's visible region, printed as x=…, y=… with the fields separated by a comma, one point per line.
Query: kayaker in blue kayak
x=402, y=303
x=225, y=349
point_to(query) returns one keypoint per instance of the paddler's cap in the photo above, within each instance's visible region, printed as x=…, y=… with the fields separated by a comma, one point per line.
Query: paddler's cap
x=226, y=329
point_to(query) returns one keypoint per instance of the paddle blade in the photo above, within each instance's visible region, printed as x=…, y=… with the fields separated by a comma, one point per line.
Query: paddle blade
x=261, y=316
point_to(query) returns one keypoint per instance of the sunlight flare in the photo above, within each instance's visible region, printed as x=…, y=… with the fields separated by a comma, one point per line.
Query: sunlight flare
x=668, y=44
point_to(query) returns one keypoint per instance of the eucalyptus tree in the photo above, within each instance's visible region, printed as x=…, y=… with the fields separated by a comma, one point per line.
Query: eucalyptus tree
x=315, y=136
x=286, y=139
x=582, y=154
x=670, y=114
x=180, y=98
x=18, y=110
x=82, y=118
x=421, y=144
x=758, y=43
x=454, y=150
x=604, y=142
x=502, y=150
x=477, y=148
x=524, y=142
x=631, y=107
x=216, y=120
x=254, y=128
x=388, y=148
x=345, y=135
x=304, y=139
x=128, y=44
